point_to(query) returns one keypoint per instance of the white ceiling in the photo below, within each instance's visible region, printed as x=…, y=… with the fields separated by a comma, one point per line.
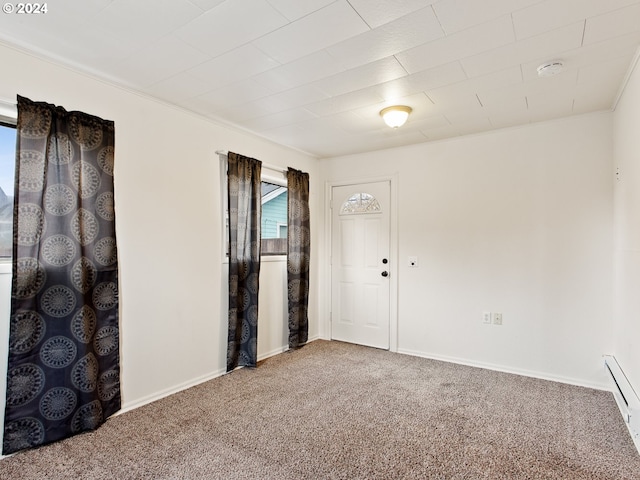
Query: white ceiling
x=314, y=74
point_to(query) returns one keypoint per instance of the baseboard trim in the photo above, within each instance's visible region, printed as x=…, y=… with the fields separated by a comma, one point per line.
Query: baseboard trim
x=275, y=351
x=128, y=406
x=503, y=369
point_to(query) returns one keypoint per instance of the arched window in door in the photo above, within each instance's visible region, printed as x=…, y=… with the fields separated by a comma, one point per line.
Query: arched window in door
x=360, y=203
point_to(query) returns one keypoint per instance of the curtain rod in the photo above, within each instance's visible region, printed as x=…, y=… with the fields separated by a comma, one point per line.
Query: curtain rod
x=264, y=165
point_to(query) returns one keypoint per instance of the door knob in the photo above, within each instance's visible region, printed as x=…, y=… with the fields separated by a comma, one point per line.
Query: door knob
x=385, y=274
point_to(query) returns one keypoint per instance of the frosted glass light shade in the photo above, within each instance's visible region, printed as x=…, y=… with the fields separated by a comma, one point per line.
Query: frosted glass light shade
x=550, y=69
x=395, y=116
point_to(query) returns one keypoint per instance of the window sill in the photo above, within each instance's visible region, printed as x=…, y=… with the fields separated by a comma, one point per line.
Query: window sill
x=273, y=258
x=264, y=258
x=5, y=268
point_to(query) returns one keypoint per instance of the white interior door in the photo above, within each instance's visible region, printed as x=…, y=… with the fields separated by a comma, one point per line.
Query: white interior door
x=360, y=285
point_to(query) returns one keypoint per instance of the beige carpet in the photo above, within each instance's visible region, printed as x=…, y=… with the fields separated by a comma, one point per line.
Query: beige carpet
x=338, y=411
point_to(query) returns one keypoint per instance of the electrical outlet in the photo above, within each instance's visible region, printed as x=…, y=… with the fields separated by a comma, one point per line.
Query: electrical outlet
x=486, y=317
x=496, y=318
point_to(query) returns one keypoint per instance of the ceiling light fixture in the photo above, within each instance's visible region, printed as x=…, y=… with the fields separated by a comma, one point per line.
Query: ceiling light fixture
x=550, y=69
x=395, y=116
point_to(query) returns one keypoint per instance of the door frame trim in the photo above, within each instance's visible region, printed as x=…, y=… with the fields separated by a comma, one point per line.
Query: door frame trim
x=325, y=326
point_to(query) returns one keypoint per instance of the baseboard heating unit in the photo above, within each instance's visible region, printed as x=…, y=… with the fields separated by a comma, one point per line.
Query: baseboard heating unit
x=626, y=398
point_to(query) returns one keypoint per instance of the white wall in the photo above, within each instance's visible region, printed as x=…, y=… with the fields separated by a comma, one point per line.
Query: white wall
x=517, y=221
x=168, y=207
x=627, y=231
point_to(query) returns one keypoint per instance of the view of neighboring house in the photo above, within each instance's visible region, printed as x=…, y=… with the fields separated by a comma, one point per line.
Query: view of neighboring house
x=274, y=211
x=274, y=219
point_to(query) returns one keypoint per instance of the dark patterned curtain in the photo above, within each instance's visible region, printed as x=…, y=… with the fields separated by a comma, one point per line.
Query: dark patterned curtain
x=63, y=373
x=245, y=209
x=298, y=256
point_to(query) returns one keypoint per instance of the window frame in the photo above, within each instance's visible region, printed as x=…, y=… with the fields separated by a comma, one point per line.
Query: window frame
x=9, y=119
x=268, y=174
x=282, y=182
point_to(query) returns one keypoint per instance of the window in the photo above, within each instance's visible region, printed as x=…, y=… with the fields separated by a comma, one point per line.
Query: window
x=274, y=219
x=360, y=203
x=7, y=179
